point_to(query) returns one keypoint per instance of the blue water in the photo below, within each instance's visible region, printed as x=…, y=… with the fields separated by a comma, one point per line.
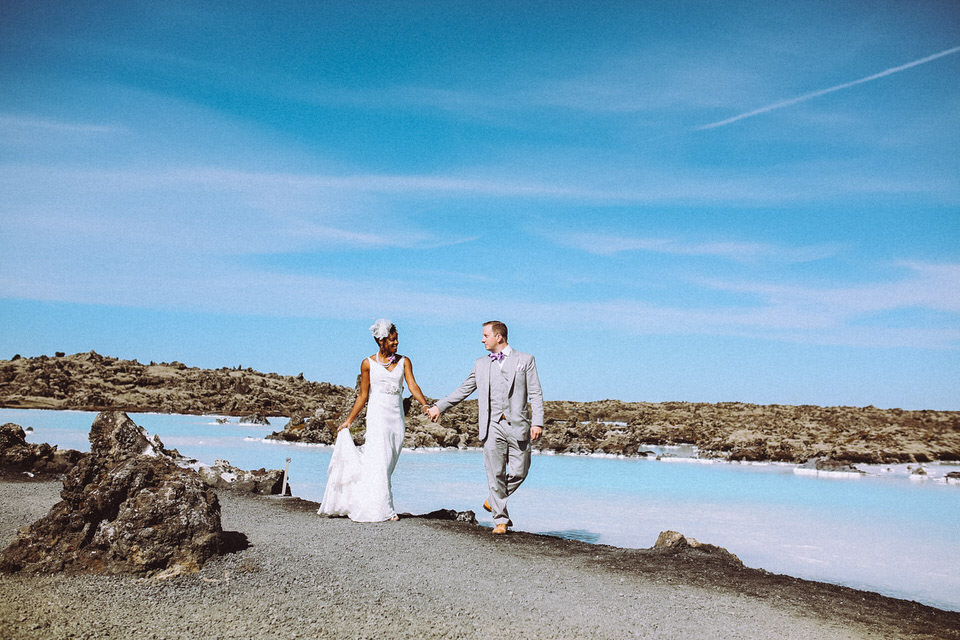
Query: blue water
x=882, y=533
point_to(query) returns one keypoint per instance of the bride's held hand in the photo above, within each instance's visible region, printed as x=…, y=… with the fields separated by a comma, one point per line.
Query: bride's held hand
x=343, y=425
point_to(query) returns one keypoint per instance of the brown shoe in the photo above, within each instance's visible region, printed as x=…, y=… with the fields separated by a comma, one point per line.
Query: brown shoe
x=486, y=506
x=500, y=528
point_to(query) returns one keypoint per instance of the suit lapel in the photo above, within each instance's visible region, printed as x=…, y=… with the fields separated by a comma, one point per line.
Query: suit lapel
x=483, y=376
x=510, y=369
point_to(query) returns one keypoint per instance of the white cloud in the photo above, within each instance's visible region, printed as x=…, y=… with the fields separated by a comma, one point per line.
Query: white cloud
x=638, y=82
x=927, y=286
x=11, y=123
x=285, y=185
x=208, y=209
x=825, y=316
x=608, y=244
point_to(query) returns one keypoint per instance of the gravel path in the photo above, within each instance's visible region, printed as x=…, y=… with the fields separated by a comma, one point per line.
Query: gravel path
x=308, y=577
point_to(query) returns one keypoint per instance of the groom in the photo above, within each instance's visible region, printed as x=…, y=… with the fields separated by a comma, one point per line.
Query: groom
x=504, y=380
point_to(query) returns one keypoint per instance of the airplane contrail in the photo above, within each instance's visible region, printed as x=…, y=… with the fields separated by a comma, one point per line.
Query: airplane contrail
x=815, y=94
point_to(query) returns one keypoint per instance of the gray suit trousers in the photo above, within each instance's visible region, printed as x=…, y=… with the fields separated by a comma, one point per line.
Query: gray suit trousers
x=507, y=459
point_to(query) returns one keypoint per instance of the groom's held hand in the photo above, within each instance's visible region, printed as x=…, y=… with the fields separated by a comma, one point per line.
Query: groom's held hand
x=535, y=433
x=433, y=412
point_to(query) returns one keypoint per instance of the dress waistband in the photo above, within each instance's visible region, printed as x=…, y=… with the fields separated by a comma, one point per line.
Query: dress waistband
x=390, y=389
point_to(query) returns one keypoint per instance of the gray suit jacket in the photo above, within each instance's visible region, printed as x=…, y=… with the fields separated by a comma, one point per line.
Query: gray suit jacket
x=524, y=384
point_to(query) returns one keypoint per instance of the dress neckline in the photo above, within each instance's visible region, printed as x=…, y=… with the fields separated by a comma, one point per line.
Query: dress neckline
x=395, y=363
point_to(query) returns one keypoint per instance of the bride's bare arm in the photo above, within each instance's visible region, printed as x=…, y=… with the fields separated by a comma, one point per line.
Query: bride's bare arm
x=361, y=397
x=412, y=382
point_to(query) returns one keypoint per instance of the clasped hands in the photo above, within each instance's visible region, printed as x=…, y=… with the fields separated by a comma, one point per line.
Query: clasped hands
x=434, y=413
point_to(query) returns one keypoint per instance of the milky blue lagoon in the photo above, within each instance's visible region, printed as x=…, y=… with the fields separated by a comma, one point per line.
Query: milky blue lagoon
x=884, y=532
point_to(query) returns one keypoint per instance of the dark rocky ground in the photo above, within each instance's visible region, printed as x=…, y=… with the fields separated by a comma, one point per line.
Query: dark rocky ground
x=731, y=430
x=301, y=576
x=127, y=507
x=130, y=505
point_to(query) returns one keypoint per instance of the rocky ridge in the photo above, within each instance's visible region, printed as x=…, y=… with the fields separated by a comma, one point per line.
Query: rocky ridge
x=823, y=436
x=91, y=382
x=728, y=430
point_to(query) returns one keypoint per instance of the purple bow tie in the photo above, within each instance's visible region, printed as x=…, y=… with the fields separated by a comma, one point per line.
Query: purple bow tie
x=497, y=357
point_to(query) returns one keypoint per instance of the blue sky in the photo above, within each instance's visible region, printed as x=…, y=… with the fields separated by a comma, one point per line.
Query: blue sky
x=664, y=201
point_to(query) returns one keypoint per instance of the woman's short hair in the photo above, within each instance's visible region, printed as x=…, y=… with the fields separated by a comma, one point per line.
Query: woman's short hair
x=381, y=329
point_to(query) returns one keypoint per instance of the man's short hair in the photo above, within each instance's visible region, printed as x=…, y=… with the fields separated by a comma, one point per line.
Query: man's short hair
x=497, y=327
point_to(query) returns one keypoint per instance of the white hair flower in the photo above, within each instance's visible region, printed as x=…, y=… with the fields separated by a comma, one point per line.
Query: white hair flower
x=381, y=328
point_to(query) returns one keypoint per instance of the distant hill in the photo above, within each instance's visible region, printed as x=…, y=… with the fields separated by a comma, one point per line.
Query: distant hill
x=730, y=430
x=89, y=381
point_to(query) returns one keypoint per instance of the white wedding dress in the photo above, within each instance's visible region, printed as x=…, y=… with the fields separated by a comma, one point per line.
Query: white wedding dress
x=358, y=478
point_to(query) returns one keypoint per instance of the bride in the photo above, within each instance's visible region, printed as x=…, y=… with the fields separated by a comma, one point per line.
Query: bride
x=358, y=478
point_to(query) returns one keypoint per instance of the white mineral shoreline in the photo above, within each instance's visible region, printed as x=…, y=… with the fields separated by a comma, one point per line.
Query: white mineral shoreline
x=935, y=471
x=303, y=576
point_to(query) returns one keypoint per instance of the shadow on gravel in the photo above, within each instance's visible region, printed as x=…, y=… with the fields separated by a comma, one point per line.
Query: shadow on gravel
x=233, y=541
x=294, y=504
x=445, y=514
